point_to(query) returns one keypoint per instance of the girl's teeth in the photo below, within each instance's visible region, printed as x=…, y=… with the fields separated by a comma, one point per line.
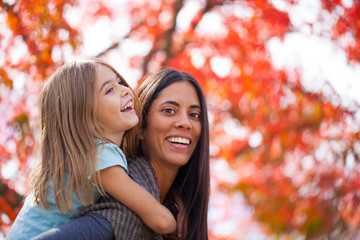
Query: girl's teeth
x=127, y=106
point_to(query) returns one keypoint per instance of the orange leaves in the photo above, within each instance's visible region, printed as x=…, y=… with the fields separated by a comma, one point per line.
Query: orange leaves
x=349, y=205
x=13, y=21
x=290, y=176
x=45, y=58
x=4, y=78
x=4, y=153
x=32, y=31
x=276, y=148
x=9, y=205
x=39, y=25
x=268, y=190
x=24, y=139
x=9, y=202
x=294, y=177
x=350, y=210
x=232, y=150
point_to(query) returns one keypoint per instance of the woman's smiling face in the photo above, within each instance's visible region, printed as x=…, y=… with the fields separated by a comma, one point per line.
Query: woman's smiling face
x=173, y=125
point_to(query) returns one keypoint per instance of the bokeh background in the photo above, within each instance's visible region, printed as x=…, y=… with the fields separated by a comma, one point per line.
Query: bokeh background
x=282, y=83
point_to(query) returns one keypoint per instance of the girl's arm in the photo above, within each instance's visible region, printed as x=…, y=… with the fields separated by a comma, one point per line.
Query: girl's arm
x=181, y=222
x=118, y=184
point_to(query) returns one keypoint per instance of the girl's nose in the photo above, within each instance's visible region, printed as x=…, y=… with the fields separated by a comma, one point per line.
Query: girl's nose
x=124, y=91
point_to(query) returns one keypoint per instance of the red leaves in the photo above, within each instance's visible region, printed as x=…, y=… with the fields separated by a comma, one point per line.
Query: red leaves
x=98, y=9
x=39, y=25
x=33, y=29
x=278, y=21
x=288, y=147
x=9, y=205
x=330, y=5
x=347, y=26
x=7, y=209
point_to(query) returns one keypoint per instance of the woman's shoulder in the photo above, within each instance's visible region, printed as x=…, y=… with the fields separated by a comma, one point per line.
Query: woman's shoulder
x=122, y=218
x=142, y=172
x=141, y=165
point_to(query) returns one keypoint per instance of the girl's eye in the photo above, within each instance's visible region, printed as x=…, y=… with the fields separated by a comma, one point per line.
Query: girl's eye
x=109, y=90
x=121, y=83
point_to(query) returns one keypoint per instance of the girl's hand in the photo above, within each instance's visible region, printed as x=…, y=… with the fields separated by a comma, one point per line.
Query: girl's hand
x=180, y=219
x=172, y=236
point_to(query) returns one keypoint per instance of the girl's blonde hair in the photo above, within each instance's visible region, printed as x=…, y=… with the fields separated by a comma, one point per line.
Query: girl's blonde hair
x=69, y=127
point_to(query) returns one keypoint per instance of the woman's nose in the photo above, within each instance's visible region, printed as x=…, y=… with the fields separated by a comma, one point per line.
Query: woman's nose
x=183, y=121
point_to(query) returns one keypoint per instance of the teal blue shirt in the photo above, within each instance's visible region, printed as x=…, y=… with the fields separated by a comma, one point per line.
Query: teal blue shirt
x=33, y=219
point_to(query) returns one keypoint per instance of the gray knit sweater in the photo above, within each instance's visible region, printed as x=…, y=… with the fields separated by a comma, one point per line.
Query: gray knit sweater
x=125, y=223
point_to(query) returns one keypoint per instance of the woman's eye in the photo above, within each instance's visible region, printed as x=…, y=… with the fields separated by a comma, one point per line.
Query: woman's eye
x=121, y=83
x=109, y=90
x=169, y=110
x=195, y=115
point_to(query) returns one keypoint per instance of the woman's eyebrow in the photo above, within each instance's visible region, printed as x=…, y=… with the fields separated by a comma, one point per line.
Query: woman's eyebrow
x=195, y=106
x=177, y=104
x=171, y=102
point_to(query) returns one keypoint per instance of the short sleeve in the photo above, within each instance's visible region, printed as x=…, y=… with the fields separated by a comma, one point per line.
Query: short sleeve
x=111, y=155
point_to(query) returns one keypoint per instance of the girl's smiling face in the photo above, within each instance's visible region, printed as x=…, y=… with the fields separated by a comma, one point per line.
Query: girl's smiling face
x=114, y=104
x=173, y=125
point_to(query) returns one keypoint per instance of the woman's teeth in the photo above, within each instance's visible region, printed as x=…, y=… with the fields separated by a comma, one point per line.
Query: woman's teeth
x=178, y=140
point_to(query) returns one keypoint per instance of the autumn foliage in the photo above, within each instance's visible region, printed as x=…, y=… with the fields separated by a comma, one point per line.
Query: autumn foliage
x=294, y=152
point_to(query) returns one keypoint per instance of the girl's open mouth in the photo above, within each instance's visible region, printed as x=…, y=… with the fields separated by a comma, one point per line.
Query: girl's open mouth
x=128, y=107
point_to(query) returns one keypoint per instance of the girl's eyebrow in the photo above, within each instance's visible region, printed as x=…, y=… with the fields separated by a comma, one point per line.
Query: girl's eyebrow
x=177, y=104
x=108, y=81
x=104, y=84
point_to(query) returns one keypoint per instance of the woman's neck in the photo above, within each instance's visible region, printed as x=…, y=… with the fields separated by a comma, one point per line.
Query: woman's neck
x=166, y=177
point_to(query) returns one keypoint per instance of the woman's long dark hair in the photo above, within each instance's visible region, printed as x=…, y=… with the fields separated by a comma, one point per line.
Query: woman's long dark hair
x=193, y=180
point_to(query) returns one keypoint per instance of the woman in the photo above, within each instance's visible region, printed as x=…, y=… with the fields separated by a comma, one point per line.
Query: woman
x=171, y=160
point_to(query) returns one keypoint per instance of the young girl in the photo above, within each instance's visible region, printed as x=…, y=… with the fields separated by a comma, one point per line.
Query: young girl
x=86, y=107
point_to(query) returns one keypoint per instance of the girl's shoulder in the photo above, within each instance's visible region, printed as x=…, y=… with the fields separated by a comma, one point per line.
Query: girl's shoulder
x=109, y=148
x=110, y=154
